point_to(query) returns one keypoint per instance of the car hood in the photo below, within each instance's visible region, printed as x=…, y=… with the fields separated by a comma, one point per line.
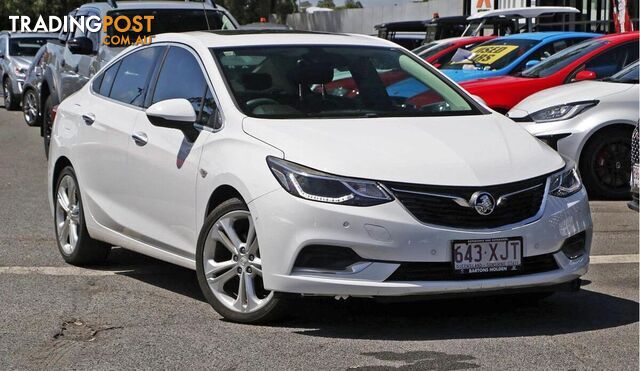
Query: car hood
x=575, y=92
x=465, y=75
x=23, y=62
x=463, y=150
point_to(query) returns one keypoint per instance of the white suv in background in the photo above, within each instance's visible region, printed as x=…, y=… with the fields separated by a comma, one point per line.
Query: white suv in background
x=223, y=152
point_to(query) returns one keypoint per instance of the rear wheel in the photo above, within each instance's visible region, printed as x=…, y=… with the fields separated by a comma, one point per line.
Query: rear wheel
x=74, y=242
x=605, y=164
x=30, y=108
x=229, y=267
x=47, y=124
x=10, y=101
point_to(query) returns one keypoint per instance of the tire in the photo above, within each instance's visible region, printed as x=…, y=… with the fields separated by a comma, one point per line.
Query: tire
x=605, y=164
x=230, y=264
x=30, y=108
x=47, y=124
x=73, y=240
x=10, y=101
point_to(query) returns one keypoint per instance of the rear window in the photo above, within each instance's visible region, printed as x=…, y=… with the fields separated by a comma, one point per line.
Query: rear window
x=174, y=20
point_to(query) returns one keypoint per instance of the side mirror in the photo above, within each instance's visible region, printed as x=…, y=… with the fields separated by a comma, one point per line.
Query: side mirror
x=80, y=45
x=479, y=100
x=531, y=63
x=174, y=114
x=585, y=75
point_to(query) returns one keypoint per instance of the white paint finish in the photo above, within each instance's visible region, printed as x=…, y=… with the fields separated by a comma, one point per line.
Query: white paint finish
x=173, y=109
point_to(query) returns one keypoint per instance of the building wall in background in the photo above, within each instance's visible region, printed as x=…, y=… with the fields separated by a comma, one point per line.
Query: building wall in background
x=363, y=20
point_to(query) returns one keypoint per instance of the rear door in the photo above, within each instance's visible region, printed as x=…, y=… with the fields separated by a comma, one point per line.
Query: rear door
x=106, y=118
x=163, y=171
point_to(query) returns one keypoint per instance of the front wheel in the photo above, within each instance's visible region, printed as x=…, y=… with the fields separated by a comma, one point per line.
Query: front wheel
x=10, y=102
x=30, y=108
x=605, y=164
x=47, y=124
x=229, y=267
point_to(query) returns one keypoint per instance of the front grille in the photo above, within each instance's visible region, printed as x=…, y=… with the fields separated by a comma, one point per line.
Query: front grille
x=444, y=271
x=436, y=205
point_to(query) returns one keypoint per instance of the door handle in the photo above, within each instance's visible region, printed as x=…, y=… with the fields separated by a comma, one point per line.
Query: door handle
x=140, y=138
x=89, y=118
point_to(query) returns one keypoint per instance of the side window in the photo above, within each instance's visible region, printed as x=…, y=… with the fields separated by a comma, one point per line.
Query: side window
x=132, y=79
x=102, y=83
x=182, y=77
x=541, y=54
x=613, y=60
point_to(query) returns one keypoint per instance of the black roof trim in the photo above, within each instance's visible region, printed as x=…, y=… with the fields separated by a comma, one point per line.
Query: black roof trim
x=266, y=31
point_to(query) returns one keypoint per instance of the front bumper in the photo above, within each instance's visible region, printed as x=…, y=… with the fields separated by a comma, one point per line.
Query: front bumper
x=387, y=235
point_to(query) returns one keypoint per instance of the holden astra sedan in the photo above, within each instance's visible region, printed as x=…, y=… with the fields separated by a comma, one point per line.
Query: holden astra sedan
x=220, y=152
x=590, y=122
x=589, y=60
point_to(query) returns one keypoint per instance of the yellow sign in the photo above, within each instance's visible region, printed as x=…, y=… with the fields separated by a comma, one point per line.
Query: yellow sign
x=491, y=53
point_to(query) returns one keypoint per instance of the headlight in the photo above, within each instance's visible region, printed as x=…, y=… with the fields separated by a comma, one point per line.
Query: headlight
x=566, y=182
x=562, y=112
x=318, y=186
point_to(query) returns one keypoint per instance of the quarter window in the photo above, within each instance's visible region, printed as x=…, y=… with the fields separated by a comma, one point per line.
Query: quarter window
x=132, y=79
x=614, y=60
x=102, y=83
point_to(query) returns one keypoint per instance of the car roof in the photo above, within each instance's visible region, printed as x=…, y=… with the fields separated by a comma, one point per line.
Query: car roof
x=240, y=38
x=126, y=5
x=546, y=35
x=621, y=36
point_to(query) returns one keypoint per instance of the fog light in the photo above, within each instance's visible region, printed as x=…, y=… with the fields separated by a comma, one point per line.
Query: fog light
x=574, y=246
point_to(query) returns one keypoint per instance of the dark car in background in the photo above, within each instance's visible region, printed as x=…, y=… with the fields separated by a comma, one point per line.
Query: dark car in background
x=635, y=169
x=33, y=79
x=73, y=59
x=17, y=51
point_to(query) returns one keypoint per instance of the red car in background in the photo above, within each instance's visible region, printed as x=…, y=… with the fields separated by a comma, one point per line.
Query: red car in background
x=589, y=60
x=440, y=52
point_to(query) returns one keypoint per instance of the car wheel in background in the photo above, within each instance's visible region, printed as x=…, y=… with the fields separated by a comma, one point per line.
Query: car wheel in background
x=30, y=108
x=10, y=102
x=72, y=237
x=605, y=164
x=47, y=123
x=229, y=267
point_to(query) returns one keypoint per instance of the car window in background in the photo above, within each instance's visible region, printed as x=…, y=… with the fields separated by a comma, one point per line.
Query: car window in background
x=629, y=75
x=173, y=20
x=494, y=55
x=181, y=77
x=564, y=58
x=613, y=60
x=26, y=46
x=132, y=78
x=333, y=81
x=434, y=49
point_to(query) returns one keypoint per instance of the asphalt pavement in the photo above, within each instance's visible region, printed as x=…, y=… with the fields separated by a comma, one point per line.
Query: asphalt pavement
x=138, y=312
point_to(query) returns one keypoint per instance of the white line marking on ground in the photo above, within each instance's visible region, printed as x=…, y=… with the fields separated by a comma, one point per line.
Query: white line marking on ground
x=77, y=271
x=614, y=259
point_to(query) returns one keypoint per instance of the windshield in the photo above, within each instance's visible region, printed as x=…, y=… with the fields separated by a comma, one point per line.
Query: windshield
x=174, y=20
x=431, y=49
x=628, y=76
x=335, y=81
x=26, y=46
x=563, y=58
x=493, y=55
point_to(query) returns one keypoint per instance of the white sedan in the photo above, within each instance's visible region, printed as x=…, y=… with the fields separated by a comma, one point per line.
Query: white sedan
x=223, y=152
x=590, y=122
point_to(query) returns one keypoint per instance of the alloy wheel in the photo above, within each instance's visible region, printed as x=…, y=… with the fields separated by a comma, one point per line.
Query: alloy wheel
x=613, y=164
x=232, y=264
x=67, y=214
x=6, y=94
x=30, y=108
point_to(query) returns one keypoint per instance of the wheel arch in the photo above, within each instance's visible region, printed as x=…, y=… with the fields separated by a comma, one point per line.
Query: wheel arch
x=221, y=194
x=598, y=131
x=61, y=163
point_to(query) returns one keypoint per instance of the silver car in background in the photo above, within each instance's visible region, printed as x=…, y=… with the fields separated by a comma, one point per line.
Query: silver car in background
x=591, y=122
x=17, y=51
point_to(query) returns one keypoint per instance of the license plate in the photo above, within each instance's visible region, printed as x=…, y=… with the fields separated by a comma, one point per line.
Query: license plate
x=487, y=256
